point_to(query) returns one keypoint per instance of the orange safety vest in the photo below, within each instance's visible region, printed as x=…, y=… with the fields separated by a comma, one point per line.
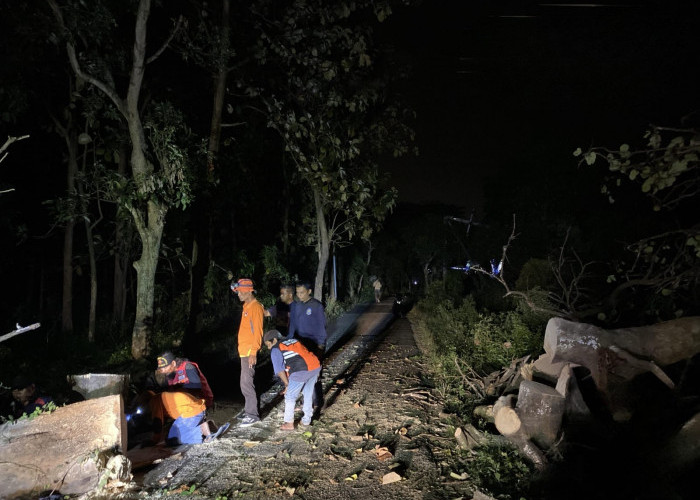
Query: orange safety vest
x=297, y=357
x=182, y=378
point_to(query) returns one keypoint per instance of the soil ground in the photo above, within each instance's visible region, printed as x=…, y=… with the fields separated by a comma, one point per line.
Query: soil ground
x=381, y=435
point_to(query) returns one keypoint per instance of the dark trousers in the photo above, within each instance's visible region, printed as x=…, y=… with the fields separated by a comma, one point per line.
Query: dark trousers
x=248, y=388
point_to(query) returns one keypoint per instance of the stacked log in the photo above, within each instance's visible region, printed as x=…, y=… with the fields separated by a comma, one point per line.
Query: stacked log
x=549, y=394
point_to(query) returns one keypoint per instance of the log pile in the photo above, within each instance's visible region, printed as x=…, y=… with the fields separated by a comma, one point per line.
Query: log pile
x=611, y=365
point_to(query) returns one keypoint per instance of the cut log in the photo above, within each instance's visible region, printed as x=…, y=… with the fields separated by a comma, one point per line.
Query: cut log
x=484, y=412
x=469, y=437
x=530, y=451
x=540, y=408
x=64, y=450
x=575, y=407
x=505, y=419
x=615, y=357
x=546, y=369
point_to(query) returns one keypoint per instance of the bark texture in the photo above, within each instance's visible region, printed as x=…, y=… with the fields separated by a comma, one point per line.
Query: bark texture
x=65, y=450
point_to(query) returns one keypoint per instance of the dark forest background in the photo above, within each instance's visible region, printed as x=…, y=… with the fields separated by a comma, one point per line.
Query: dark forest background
x=283, y=174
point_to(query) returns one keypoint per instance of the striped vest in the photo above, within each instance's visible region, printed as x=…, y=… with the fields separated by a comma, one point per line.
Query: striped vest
x=297, y=358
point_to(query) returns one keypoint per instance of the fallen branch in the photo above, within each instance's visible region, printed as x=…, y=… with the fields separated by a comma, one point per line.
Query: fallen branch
x=20, y=329
x=644, y=365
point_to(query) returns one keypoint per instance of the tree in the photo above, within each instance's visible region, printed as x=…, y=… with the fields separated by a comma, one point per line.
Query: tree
x=331, y=111
x=665, y=262
x=157, y=172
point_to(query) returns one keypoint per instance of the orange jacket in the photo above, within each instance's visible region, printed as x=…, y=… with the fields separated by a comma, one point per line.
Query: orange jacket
x=250, y=331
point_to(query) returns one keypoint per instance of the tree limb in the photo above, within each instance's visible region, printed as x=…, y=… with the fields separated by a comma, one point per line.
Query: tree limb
x=75, y=64
x=9, y=141
x=178, y=25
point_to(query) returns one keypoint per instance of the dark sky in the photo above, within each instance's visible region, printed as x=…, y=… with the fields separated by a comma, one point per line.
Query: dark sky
x=500, y=82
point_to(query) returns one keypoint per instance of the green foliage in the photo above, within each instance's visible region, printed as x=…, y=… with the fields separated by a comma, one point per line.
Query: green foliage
x=666, y=169
x=331, y=114
x=168, y=135
x=453, y=330
x=500, y=470
x=120, y=355
x=45, y=409
x=659, y=274
x=171, y=319
x=334, y=309
x=275, y=273
x=535, y=273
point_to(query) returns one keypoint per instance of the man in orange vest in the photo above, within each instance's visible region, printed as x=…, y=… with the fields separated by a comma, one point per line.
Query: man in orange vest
x=250, y=333
x=298, y=369
x=186, y=396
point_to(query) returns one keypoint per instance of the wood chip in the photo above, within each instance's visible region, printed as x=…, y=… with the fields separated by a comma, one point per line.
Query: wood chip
x=391, y=477
x=382, y=453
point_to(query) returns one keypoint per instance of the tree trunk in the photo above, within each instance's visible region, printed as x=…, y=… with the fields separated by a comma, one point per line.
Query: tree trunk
x=122, y=243
x=201, y=209
x=149, y=223
x=370, y=248
x=67, y=301
x=91, y=250
x=285, y=215
x=323, y=246
x=93, y=281
x=151, y=232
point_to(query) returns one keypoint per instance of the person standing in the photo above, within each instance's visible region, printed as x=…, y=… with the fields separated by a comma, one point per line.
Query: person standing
x=280, y=311
x=250, y=333
x=377, y=285
x=307, y=323
x=298, y=369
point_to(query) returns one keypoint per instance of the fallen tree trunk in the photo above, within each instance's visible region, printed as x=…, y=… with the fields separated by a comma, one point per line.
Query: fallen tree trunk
x=64, y=451
x=615, y=357
x=662, y=343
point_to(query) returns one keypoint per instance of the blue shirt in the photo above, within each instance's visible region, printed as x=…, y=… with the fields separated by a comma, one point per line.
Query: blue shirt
x=307, y=321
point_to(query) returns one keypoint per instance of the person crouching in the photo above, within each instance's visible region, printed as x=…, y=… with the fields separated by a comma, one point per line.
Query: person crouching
x=298, y=369
x=185, y=397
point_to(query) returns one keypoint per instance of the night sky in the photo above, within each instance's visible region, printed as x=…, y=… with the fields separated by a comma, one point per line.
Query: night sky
x=526, y=82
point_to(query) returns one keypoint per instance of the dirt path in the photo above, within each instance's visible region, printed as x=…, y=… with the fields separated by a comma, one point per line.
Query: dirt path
x=381, y=423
